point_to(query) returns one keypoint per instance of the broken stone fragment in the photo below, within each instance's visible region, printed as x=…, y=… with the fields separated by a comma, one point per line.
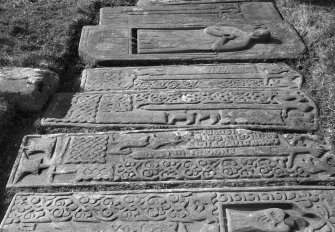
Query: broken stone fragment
x=27, y=88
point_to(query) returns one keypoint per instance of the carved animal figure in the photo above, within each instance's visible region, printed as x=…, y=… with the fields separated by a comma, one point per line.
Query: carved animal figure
x=158, y=142
x=124, y=147
x=214, y=118
x=187, y=118
x=193, y=117
x=234, y=39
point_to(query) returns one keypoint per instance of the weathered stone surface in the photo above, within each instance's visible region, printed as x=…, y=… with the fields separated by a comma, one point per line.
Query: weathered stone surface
x=183, y=2
x=208, y=210
x=171, y=156
x=186, y=16
x=28, y=88
x=224, y=32
x=224, y=108
x=191, y=77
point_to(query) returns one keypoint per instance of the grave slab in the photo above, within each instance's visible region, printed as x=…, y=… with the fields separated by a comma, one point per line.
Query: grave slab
x=206, y=32
x=191, y=77
x=184, y=2
x=224, y=108
x=170, y=157
x=195, y=14
x=187, y=210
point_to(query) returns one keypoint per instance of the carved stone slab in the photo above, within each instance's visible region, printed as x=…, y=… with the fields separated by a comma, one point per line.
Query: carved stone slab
x=225, y=32
x=171, y=156
x=208, y=210
x=194, y=14
x=191, y=77
x=224, y=108
x=182, y=2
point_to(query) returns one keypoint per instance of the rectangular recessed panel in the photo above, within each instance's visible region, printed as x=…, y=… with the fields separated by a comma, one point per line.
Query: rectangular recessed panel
x=191, y=77
x=212, y=108
x=174, y=41
x=232, y=210
x=170, y=157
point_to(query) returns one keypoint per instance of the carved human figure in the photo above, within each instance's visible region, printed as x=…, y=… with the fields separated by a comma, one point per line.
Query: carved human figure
x=267, y=220
x=234, y=39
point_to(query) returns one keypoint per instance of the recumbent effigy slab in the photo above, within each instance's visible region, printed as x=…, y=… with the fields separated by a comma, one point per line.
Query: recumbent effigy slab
x=223, y=32
x=188, y=210
x=172, y=156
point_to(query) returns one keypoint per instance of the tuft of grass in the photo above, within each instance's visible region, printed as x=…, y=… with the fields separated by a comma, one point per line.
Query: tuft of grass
x=314, y=20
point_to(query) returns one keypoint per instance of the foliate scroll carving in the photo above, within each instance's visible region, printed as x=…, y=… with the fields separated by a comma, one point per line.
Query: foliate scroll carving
x=215, y=108
x=168, y=157
x=178, y=211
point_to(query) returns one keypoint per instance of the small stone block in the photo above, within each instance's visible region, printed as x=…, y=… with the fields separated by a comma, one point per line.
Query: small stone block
x=28, y=88
x=188, y=210
x=253, y=76
x=169, y=157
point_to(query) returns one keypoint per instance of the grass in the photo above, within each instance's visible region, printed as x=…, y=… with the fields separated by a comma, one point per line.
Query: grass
x=314, y=20
x=45, y=34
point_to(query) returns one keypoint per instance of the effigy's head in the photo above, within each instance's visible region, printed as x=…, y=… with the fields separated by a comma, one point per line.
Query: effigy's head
x=261, y=34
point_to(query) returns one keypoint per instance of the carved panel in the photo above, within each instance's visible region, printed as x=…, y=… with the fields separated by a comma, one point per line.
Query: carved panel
x=190, y=77
x=222, y=32
x=210, y=210
x=171, y=156
x=184, y=2
x=213, y=108
x=194, y=14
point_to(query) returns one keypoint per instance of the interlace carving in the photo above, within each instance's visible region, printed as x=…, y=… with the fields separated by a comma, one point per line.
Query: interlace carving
x=80, y=150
